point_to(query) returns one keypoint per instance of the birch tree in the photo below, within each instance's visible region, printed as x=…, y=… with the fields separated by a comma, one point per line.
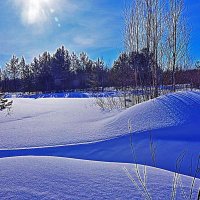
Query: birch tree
x=144, y=30
x=177, y=38
x=159, y=27
x=134, y=31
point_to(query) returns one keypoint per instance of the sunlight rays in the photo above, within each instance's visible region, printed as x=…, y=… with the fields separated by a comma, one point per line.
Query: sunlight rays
x=35, y=12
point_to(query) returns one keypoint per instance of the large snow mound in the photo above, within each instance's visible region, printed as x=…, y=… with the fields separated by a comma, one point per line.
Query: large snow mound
x=61, y=178
x=52, y=121
x=78, y=128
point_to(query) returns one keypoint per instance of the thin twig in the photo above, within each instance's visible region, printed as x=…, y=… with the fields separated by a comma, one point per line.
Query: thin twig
x=197, y=171
x=135, y=160
x=135, y=183
x=176, y=175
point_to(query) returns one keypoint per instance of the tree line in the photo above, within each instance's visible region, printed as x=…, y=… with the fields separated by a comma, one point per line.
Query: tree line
x=57, y=72
x=64, y=71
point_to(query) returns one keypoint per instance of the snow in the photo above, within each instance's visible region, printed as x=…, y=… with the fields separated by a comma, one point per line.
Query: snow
x=51, y=122
x=77, y=128
x=66, y=95
x=63, y=178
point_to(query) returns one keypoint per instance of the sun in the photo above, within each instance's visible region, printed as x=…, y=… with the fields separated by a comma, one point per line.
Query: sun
x=36, y=11
x=39, y=13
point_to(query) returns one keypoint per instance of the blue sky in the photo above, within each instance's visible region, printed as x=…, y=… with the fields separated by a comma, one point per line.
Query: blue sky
x=30, y=27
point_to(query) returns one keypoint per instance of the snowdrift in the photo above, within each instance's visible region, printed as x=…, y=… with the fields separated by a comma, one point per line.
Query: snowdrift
x=51, y=122
x=62, y=178
x=77, y=128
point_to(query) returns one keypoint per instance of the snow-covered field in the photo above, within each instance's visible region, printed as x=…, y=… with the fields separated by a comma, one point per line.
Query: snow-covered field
x=64, y=148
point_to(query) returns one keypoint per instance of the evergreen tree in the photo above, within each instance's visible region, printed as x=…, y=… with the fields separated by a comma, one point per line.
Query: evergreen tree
x=60, y=68
x=22, y=65
x=12, y=68
x=122, y=74
x=75, y=71
x=98, y=75
x=45, y=77
x=84, y=70
x=35, y=69
x=25, y=76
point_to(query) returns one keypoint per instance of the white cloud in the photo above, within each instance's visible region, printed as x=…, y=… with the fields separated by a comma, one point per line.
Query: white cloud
x=84, y=41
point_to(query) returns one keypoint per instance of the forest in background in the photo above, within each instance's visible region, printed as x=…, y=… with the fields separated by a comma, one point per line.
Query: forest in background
x=63, y=71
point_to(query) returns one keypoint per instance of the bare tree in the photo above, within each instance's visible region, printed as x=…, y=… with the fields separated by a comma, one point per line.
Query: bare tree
x=134, y=31
x=154, y=20
x=144, y=30
x=177, y=39
x=160, y=27
x=134, y=26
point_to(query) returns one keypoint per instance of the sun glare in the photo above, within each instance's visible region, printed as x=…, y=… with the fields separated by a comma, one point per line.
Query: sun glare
x=36, y=11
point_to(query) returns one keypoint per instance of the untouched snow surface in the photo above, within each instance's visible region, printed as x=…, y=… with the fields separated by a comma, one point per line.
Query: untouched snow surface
x=78, y=128
x=62, y=178
x=50, y=122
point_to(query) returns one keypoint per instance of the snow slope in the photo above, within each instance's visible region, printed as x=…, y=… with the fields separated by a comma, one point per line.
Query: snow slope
x=78, y=128
x=50, y=122
x=61, y=178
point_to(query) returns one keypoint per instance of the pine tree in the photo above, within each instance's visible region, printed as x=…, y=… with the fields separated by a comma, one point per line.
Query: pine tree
x=12, y=68
x=60, y=68
x=122, y=74
x=35, y=71
x=75, y=71
x=45, y=77
x=25, y=75
x=98, y=75
x=84, y=70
